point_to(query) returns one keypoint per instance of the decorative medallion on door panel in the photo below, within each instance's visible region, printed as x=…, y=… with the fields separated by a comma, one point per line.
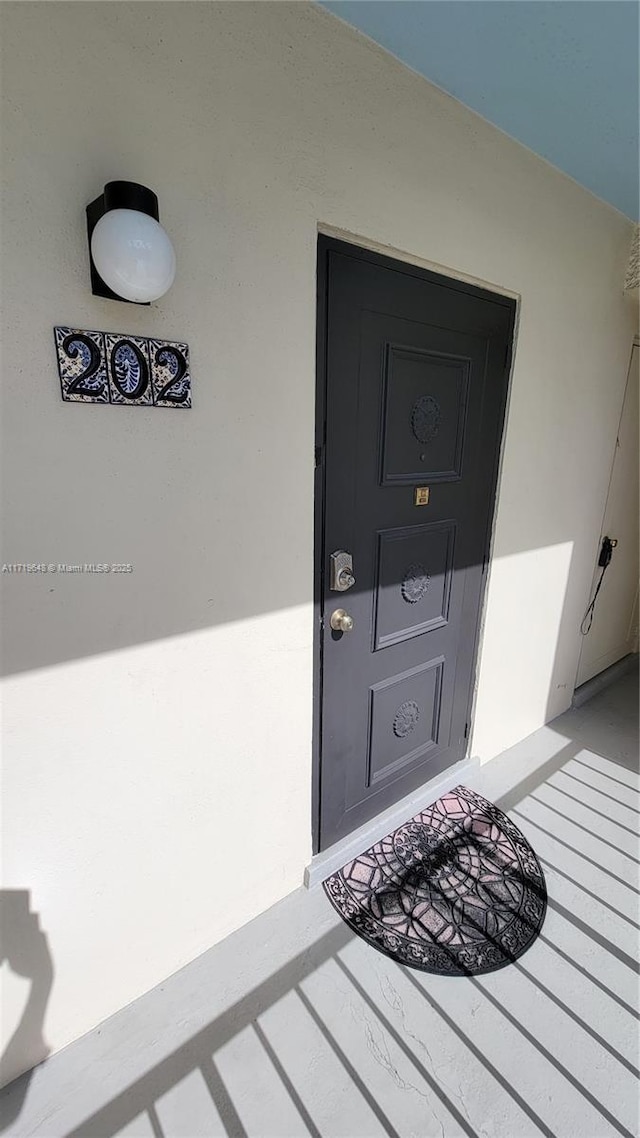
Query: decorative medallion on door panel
x=425, y=418
x=110, y=367
x=424, y=410
x=457, y=890
x=404, y=720
x=413, y=581
x=82, y=366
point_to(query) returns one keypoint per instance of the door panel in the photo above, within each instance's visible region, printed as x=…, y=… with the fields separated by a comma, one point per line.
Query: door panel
x=404, y=720
x=409, y=598
x=415, y=368
x=436, y=421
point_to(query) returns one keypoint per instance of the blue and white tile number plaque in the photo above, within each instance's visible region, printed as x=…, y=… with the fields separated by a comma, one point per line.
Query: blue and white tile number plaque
x=106, y=367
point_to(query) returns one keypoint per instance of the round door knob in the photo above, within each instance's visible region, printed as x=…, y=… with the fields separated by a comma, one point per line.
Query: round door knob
x=341, y=621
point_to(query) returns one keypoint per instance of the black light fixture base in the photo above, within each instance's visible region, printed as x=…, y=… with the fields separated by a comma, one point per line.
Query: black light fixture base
x=117, y=195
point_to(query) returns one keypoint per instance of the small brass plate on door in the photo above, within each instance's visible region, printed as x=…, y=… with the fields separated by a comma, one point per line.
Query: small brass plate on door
x=421, y=496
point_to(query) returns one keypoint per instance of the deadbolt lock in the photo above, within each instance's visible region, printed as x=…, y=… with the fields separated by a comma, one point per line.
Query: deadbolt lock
x=342, y=577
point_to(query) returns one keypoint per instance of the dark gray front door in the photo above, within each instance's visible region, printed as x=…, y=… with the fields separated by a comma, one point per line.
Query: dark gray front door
x=413, y=373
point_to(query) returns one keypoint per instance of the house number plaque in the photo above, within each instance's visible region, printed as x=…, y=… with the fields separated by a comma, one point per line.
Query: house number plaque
x=113, y=368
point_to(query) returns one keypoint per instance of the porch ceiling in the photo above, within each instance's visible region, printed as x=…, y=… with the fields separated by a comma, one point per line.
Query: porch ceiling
x=560, y=76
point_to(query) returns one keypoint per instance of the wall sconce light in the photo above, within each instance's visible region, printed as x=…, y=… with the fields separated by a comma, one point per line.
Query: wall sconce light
x=132, y=257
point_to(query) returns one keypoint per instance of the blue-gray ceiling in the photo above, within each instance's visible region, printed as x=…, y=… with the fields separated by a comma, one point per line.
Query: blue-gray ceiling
x=561, y=76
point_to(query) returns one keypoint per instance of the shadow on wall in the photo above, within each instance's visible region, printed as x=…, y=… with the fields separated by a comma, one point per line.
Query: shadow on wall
x=339, y=1030
x=68, y=608
x=216, y=537
x=82, y=613
x=24, y=949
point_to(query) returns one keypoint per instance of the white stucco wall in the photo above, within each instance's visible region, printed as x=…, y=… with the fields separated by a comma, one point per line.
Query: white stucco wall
x=157, y=749
x=614, y=630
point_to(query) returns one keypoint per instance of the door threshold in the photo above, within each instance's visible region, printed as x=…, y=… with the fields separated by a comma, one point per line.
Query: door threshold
x=327, y=862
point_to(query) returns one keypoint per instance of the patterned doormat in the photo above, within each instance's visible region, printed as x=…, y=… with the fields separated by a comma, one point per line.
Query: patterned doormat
x=457, y=890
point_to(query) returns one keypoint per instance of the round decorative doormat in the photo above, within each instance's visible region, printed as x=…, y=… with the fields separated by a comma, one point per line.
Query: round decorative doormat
x=457, y=890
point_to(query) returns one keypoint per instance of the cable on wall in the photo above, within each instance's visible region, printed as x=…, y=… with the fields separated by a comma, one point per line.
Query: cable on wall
x=606, y=553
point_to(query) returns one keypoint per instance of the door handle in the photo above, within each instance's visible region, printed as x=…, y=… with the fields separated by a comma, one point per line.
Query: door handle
x=341, y=621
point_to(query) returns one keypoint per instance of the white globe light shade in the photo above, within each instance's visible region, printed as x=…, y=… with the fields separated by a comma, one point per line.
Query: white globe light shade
x=133, y=255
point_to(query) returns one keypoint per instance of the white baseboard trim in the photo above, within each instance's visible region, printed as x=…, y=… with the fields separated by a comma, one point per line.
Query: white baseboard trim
x=326, y=863
x=601, y=680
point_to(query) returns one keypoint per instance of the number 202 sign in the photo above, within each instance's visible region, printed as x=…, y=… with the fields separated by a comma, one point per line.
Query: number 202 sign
x=105, y=367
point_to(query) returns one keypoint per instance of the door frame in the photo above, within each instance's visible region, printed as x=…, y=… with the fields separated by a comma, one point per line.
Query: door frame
x=325, y=243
